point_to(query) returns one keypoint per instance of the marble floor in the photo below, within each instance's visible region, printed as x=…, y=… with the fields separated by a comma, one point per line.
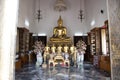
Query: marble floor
x=87, y=72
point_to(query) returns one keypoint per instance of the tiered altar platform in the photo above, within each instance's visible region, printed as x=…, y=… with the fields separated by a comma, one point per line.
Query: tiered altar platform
x=59, y=46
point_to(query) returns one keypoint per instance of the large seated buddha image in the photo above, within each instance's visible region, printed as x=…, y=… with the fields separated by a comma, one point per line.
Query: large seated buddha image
x=60, y=33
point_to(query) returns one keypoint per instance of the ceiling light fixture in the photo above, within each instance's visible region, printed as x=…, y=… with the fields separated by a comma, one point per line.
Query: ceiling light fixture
x=39, y=16
x=60, y=6
x=81, y=15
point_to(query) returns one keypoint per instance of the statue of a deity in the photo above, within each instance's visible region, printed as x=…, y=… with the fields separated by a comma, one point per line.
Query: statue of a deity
x=53, y=48
x=66, y=48
x=72, y=48
x=59, y=49
x=60, y=30
x=47, y=48
x=59, y=33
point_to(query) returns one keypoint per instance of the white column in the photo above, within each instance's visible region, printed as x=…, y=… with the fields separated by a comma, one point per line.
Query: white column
x=8, y=30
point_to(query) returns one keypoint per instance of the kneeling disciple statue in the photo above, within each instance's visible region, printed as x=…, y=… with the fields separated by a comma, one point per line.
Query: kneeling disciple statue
x=59, y=49
x=53, y=49
x=66, y=49
x=72, y=49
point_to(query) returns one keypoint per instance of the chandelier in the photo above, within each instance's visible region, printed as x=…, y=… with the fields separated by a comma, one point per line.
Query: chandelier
x=60, y=6
x=81, y=15
x=39, y=16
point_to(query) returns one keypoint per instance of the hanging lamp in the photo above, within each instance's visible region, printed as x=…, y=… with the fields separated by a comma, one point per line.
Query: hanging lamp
x=60, y=6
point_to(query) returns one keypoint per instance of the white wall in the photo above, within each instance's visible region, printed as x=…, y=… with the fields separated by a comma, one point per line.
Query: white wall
x=93, y=10
x=28, y=10
x=26, y=13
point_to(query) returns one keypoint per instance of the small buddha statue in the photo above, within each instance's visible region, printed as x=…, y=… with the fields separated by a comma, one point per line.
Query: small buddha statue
x=66, y=48
x=47, y=48
x=72, y=49
x=59, y=49
x=53, y=48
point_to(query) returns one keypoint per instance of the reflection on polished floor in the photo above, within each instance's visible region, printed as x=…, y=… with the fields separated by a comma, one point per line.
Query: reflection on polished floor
x=87, y=72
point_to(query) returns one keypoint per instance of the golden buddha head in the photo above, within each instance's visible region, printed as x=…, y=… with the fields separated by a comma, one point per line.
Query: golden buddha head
x=60, y=21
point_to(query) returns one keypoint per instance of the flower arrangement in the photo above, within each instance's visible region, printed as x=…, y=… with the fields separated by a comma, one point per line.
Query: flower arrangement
x=81, y=46
x=38, y=47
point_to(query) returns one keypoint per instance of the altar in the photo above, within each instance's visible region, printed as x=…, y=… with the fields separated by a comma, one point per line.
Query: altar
x=59, y=47
x=59, y=55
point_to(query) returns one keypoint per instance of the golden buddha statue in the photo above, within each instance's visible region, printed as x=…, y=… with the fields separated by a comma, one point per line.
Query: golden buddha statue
x=47, y=48
x=53, y=48
x=66, y=49
x=72, y=48
x=59, y=49
x=59, y=33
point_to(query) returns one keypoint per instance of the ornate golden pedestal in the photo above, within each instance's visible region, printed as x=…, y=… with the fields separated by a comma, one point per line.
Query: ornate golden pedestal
x=59, y=43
